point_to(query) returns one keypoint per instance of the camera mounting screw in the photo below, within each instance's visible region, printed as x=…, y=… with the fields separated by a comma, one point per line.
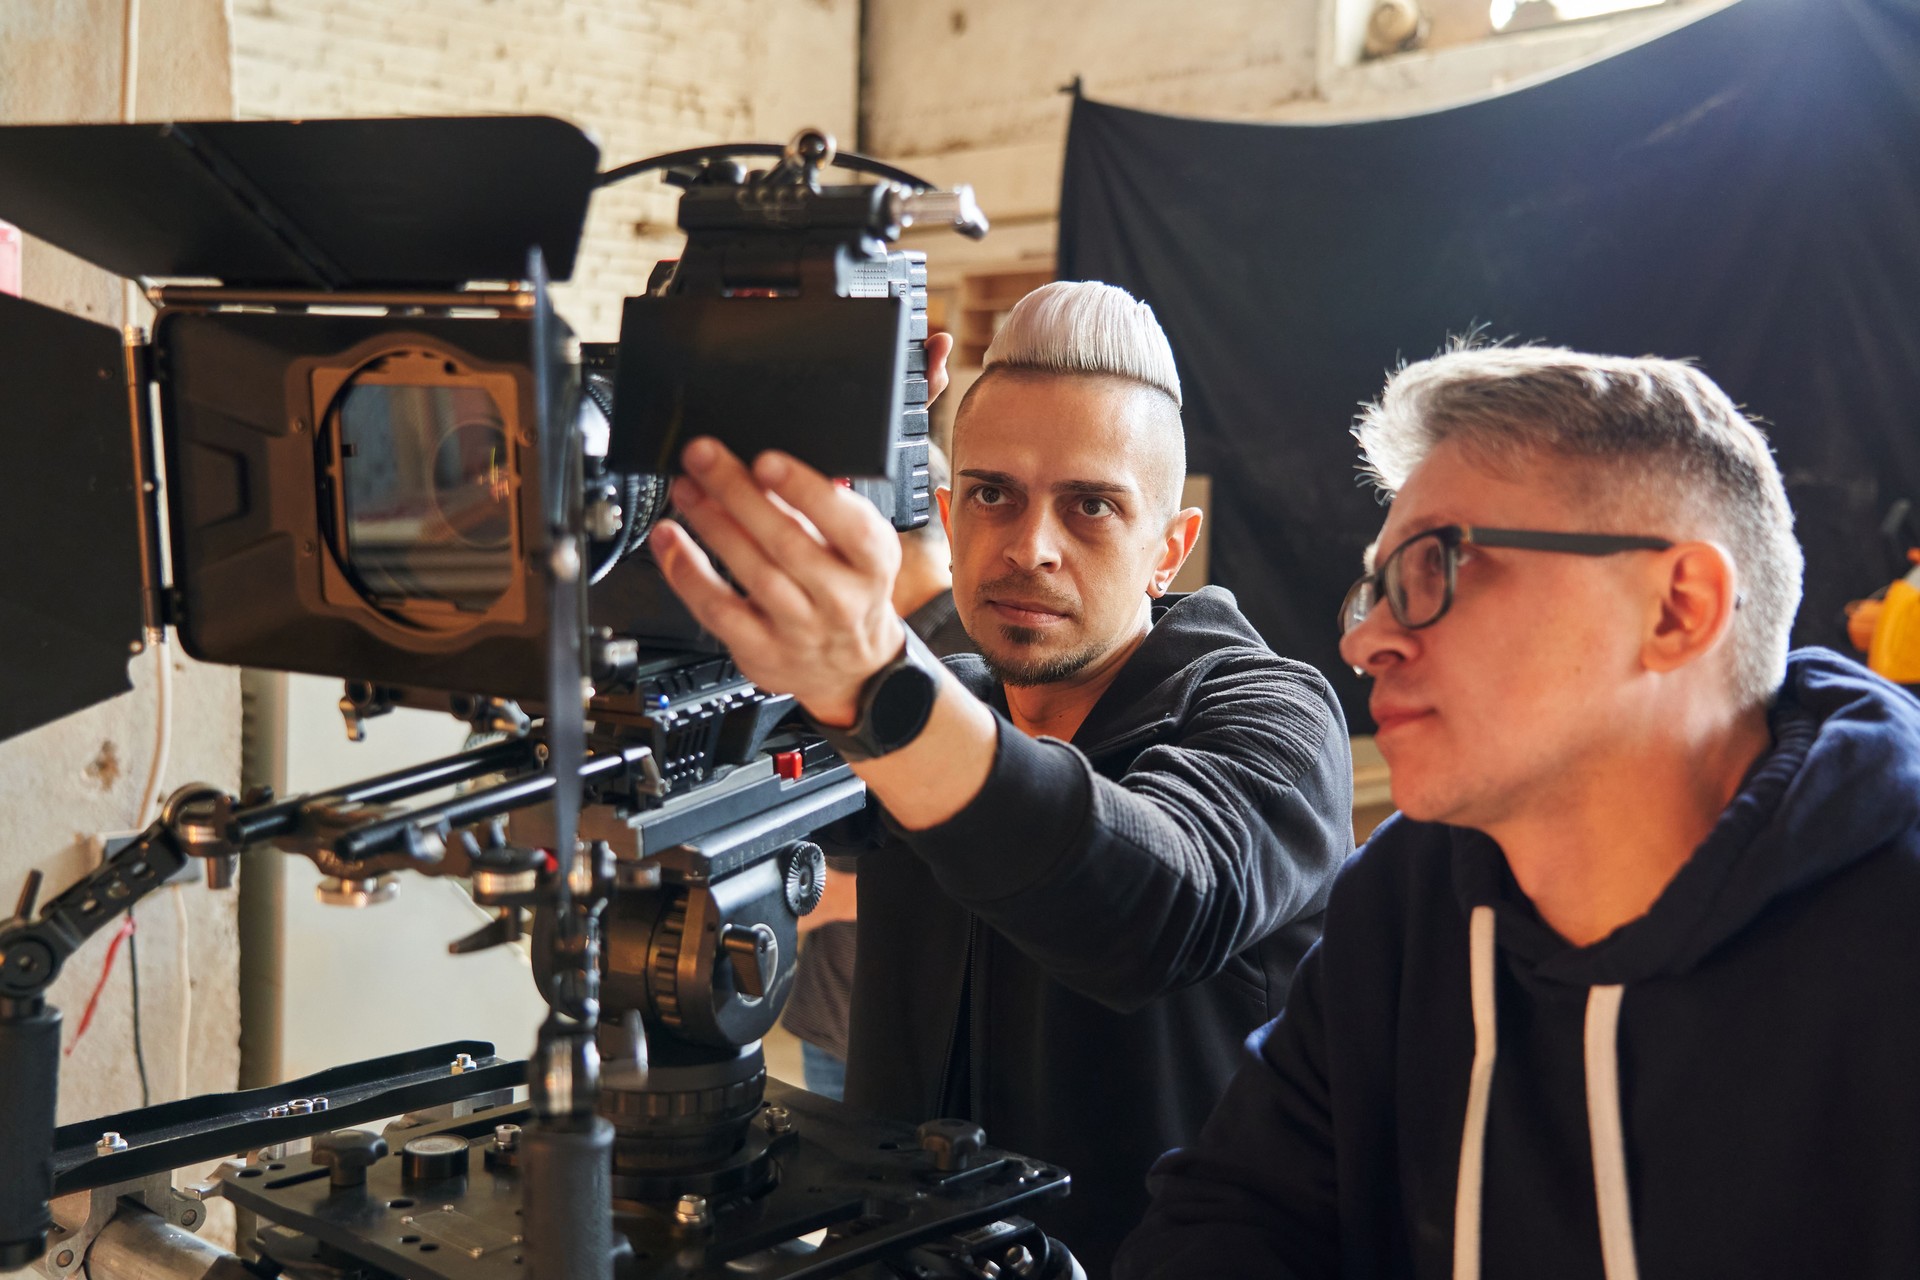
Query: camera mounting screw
x=333, y=891
x=565, y=562
x=604, y=519
x=691, y=1211
x=953, y=1144
x=812, y=148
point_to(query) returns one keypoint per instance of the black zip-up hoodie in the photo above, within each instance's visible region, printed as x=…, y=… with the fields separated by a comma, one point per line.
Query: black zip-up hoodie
x=1075, y=958
x=1727, y=1086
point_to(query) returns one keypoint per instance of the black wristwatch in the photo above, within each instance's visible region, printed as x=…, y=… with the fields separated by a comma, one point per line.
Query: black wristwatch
x=895, y=704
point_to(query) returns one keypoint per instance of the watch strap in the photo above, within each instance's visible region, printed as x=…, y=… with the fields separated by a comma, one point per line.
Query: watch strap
x=895, y=704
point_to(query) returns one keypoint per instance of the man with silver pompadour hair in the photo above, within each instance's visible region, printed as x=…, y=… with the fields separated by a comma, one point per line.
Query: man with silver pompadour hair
x=1083, y=327
x=1086, y=327
x=1652, y=874
x=1111, y=839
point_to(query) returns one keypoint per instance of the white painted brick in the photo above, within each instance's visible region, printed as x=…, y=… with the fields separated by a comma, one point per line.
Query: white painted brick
x=642, y=76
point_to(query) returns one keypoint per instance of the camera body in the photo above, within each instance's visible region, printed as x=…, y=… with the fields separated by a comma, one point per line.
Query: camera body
x=375, y=469
x=360, y=495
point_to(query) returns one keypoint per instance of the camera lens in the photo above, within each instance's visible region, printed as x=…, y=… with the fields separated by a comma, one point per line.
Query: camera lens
x=426, y=478
x=471, y=489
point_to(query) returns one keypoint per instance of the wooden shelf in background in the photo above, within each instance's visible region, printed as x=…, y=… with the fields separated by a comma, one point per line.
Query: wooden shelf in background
x=985, y=298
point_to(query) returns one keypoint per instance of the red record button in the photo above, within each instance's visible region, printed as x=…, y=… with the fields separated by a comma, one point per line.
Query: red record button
x=788, y=765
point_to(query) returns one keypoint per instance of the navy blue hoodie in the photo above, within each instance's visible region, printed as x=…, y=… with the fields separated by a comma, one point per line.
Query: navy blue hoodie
x=1727, y=1086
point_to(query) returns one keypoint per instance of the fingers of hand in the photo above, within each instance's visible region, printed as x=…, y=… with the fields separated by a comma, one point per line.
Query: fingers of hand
x=714, y=604
x=852, y=528
x=768, y=585
x=725, y=480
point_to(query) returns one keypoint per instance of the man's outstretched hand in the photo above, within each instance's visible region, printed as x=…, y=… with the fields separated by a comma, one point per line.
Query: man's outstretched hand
x=812, y=614
x=815, y=563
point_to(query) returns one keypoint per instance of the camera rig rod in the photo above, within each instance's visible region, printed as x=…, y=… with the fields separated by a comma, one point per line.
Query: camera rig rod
x=401, y=832
x=204, y=296
x=199, y=821
x=277, y=821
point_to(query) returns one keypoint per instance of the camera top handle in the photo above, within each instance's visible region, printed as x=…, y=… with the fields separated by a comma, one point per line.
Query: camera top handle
x=694, y=157
x=802, y=159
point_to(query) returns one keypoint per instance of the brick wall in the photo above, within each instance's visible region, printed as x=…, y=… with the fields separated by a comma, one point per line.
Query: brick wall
x=986, y=73
x=642, y=76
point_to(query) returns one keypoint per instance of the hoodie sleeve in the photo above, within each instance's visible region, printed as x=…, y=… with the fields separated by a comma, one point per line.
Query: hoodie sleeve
x=1255, y=1194
x=1212, y=839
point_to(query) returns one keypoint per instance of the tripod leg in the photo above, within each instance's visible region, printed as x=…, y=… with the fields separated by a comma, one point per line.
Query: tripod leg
x=30, y=1063
x=567, y=1173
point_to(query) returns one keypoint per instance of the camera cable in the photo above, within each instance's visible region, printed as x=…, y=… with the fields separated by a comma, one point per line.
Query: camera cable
x=133, y=974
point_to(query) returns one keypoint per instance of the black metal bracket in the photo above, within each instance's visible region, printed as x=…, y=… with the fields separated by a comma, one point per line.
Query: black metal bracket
x=867, y=1180
x=33, y=951
x=195, y=1130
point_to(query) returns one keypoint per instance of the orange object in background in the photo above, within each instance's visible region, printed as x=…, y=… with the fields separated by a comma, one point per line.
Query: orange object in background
x=1895, y=650
x=1862, y=617
x=1887, y=627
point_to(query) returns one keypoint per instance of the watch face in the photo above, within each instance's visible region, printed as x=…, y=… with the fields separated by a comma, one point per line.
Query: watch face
x=900, y=706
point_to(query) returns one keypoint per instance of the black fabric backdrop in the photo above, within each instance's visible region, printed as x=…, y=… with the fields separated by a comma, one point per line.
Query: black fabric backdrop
x=1744, y=191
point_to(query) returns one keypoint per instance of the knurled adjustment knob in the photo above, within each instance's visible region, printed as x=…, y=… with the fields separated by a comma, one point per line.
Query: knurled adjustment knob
x=806, y=876
x=348, y=1153
x=434, y=1157
x=952, y=1143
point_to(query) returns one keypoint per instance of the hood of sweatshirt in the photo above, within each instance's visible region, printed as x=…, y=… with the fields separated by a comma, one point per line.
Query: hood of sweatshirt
x=1801, y=816
x=1192, y=633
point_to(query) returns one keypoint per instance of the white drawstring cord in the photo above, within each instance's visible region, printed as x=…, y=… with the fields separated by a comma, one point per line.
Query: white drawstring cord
x=1473, y=1138
x=1606, y=1134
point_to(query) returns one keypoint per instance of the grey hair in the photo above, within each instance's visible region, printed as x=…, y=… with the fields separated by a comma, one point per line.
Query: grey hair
x=1083, y=326
x=1666, y=445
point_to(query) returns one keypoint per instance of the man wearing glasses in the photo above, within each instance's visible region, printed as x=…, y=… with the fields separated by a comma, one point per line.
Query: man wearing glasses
x=1632, y=983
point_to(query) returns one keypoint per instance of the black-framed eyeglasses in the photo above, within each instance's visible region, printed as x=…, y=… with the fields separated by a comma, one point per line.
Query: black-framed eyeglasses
x=1416, y=579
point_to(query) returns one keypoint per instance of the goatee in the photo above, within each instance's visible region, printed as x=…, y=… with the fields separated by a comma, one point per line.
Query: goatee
x=1025, y=672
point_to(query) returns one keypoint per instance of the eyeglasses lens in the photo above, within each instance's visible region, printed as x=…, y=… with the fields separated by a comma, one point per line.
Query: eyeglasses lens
x=1358, y=604
x=1416, y=577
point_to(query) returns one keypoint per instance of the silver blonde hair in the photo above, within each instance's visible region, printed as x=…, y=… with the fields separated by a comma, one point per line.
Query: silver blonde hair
x=1083, y=326
x=1098, y=330
x=1653, y=442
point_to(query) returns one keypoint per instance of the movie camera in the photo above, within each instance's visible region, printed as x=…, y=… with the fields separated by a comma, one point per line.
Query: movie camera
x=359, y=442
